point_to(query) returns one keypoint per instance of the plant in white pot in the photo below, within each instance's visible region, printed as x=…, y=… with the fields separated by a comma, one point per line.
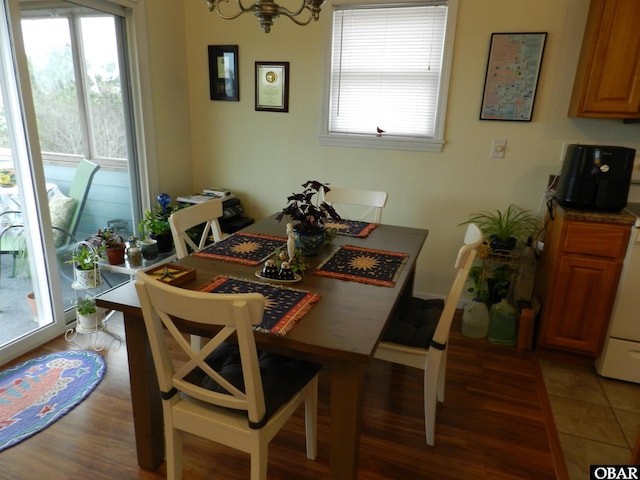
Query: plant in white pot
x=85, y=258
x=87, y=313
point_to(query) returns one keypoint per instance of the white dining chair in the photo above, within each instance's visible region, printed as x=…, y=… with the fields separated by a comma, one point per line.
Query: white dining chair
x=347, y=200
x=227, y=392
x=181, y=221
x=202, y=215
x=433, y=357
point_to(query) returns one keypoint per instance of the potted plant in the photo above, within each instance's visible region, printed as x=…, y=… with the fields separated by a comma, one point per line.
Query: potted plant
x=307, y=212
x=110, y=242
x=155, y=223
x=87, y=313
x=505, y=228
x=85, y=258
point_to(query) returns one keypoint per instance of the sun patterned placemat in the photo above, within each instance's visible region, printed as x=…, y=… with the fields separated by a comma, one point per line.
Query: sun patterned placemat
x=365, y=265
x=284, y=306
x=245, y=248
x=351, y=228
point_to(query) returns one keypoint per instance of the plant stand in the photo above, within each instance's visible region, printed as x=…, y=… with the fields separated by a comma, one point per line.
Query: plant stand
x=85, y=284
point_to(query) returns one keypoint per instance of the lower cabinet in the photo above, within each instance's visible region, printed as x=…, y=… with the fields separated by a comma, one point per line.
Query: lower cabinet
x=578, y=279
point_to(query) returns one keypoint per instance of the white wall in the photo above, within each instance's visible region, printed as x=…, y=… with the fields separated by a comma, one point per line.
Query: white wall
x=264, y=156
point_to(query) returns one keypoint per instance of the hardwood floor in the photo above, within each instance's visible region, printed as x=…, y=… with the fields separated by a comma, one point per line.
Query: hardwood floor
x=495, y=424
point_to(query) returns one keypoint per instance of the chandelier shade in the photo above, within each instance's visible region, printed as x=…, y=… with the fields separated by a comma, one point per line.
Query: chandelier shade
x=267, y=11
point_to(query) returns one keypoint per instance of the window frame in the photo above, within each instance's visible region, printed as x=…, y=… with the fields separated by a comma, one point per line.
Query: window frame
x=88, y=126
x=389, y=142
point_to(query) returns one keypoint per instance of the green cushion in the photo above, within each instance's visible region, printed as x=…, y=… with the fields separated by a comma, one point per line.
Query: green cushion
x=62, y=209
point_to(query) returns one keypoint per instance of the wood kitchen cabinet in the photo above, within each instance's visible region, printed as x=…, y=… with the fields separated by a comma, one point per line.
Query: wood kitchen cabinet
x=607, y=83
x=578, y=277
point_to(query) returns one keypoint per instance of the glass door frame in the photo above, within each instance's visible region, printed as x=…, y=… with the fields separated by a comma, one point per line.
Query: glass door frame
x=31, y=165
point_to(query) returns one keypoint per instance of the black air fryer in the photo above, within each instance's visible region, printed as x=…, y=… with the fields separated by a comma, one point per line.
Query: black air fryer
x=595, y=177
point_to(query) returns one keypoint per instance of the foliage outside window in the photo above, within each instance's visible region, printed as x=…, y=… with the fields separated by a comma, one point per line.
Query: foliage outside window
x=389, y=75
x=75, y=77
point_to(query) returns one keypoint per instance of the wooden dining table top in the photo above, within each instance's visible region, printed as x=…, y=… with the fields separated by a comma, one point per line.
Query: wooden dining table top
x=350, y=317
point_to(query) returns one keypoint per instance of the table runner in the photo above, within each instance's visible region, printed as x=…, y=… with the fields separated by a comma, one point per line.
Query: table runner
x=284, y=306
x=245, y=248
x=351, y=228
x=364, y=265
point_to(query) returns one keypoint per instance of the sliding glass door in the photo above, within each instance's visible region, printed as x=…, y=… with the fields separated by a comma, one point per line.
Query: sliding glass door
x=79, y=171
x=23, y=245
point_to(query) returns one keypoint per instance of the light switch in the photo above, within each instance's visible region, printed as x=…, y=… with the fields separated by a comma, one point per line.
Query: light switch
x=498, y=147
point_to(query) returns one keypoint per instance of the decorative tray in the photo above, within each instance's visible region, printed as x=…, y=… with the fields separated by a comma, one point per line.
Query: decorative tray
x=173, y=274
x=296, y=278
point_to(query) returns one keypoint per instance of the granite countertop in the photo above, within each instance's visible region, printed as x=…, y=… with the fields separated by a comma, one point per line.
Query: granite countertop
x=620, y=218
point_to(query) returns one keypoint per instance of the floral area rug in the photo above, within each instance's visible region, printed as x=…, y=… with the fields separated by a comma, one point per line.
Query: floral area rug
x=36, y=393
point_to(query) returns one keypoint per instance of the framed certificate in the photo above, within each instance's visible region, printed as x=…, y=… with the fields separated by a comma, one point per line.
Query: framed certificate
x=272, y=86
x=223, y=72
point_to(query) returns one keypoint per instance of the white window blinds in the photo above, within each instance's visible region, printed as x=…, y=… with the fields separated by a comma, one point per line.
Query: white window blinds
x=386, y=68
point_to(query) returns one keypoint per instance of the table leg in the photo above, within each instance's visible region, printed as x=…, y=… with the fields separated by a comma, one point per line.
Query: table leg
x=145, y=397
x=346, y=416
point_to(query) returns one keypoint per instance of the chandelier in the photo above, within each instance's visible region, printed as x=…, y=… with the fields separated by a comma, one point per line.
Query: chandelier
x=268, y=10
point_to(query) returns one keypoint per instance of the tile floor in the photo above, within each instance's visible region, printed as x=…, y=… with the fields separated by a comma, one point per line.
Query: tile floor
x=597, y=418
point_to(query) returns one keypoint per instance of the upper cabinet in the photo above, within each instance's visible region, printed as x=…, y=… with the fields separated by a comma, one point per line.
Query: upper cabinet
x=607, y=83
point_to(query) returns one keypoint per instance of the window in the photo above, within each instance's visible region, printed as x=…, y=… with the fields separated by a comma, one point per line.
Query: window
x=389, y=75
x=76, y=84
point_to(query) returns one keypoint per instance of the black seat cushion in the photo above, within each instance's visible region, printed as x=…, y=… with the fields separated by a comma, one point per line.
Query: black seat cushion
x=414, y=322
x=282, y=377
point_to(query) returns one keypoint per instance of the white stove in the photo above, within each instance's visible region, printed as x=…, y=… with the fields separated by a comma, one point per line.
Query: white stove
x=621, y=354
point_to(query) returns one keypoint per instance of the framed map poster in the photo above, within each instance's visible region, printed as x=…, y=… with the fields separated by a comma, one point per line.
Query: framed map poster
x=513, y=69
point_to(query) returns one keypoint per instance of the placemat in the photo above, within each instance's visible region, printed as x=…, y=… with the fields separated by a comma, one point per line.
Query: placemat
x=351, y=228
x=245, y=248
x=365, y=265
x=284, y=306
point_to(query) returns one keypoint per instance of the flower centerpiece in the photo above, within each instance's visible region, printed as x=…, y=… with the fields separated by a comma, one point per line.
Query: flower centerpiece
x=307, y=212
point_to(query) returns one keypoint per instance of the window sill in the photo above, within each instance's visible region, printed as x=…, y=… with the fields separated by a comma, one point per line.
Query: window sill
x=382, y=143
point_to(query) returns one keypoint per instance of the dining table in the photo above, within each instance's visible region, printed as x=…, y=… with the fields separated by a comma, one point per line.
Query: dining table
x=341, y=331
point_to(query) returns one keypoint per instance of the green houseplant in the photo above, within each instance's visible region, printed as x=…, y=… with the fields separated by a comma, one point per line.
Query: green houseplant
x=110, y=242
x=505, y=228
x=85, y=258
x=155, y=223
x=87, y=313
x=307, y=213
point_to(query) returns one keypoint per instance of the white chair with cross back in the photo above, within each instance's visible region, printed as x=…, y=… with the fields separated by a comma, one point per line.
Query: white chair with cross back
x=355, y=204
x=227, y=392
x=432, y=356
x=183, y=220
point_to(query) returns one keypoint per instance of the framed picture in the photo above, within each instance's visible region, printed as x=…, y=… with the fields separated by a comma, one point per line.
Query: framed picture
x=512, y=75
x=272, y=86
x=223, y=72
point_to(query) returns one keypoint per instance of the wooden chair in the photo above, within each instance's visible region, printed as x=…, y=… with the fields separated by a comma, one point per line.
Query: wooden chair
x=227, y=392
x=373, y=202
x=433, y=357
x=183, y=220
